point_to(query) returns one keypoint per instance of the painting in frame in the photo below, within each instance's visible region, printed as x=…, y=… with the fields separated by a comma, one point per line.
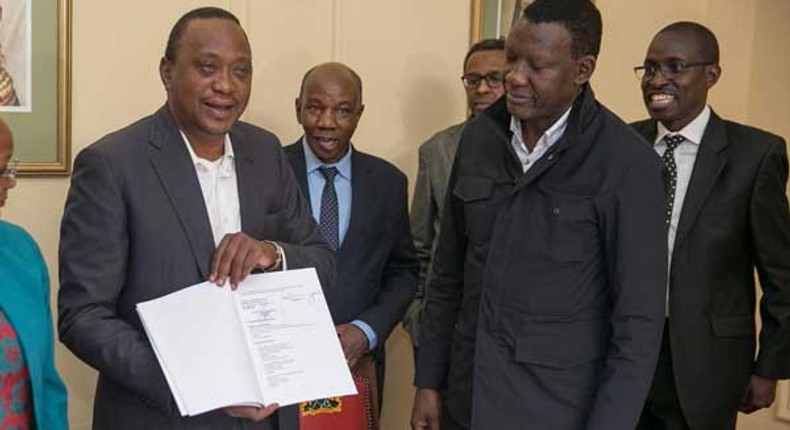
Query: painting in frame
x=35, y=53
x=492, y=18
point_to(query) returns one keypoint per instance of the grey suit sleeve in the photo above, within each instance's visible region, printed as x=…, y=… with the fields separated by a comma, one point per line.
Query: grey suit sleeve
x=301, y=241
x=770, y=227
x=399, y=278
x=94, y=249
x=423, y=217
x=636, y=256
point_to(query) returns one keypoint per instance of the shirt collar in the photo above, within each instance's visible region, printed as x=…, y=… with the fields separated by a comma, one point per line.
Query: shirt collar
x=313, y=163
x=227, y=154
x=692, y=132
x=550, y=136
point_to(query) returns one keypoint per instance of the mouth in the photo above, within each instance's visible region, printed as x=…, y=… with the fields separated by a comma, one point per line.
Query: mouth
x=520, y=99
x=660, y=100
x=220, y=110
x=327, y=144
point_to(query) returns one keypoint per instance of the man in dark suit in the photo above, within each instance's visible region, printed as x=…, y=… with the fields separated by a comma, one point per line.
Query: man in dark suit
x=185, y=195
x=482, y=81
x=728, y=215
x=546, y=305
x=360, y=204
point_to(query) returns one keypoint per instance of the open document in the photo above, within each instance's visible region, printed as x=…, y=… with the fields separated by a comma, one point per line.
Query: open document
x=270, y=341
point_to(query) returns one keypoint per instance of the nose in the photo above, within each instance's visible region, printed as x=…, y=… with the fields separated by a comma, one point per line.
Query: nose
x=7, y=183
x=483, y=87
x=223, y=82
x=326, y=118
x=517, y=75
x=656, y=80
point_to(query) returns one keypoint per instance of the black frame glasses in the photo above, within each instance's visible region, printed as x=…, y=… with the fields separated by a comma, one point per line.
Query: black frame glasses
x=493, y=79
x=10, y=170
x=668, y=70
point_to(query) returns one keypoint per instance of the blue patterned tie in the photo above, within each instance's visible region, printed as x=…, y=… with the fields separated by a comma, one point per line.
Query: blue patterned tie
x=671, y=176
x=329, y=223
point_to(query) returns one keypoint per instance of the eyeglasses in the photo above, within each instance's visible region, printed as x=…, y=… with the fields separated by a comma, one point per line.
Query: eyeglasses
x=669, y=70
x=493, y=80
x=10, y=170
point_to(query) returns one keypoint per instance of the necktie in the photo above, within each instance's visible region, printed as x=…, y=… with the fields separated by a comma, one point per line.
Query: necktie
x=328, y=224
x=671, y=174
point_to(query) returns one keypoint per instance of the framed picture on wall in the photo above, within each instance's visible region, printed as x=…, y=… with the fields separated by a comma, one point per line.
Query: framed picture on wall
x=35, y=53
x=492, y=18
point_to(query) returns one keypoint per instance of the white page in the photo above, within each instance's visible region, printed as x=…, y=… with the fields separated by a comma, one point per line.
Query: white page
x=294, y=346
x=170, y=381
x=197, y=334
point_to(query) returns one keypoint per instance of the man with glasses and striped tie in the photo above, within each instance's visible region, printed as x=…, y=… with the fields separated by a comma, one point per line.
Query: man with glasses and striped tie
x=727, y=214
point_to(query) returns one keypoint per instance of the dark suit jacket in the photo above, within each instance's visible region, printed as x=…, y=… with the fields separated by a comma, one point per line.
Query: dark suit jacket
x=734, y=219
x=567, y=266
x=376, y=263
x=135, y=227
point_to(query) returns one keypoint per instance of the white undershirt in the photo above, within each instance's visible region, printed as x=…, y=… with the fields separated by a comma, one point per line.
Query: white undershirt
x=220, y=190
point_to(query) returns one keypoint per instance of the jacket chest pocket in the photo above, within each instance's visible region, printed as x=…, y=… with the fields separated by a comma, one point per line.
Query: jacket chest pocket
x=475, y=194
x=572, y=226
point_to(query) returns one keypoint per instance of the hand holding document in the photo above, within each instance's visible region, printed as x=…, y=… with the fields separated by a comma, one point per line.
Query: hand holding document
x=270, y=341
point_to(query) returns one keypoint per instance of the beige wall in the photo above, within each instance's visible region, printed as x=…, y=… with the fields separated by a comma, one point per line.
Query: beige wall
x=408, y=53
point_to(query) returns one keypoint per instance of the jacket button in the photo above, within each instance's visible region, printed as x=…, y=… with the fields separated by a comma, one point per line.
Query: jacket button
x=550, y=157
x=555, y=211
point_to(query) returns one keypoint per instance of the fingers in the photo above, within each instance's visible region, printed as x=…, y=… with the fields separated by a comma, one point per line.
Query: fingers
x=425, y=411
x=251, y=412
x=235, y=257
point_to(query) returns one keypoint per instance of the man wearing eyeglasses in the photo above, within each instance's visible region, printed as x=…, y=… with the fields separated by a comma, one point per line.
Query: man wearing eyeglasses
x=728, y=215
x=482, y=81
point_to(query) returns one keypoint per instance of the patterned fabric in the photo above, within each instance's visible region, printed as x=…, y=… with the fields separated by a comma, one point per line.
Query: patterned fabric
x=671, y=178
x=15, y=403
x=329, y=224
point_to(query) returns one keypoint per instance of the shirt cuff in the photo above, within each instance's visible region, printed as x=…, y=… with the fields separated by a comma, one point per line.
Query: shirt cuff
x=369, y=333
x=281, y=253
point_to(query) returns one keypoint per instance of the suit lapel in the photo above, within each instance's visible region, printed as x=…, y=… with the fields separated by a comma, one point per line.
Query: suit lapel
x=174, y=168
x=249, y=200
x=707, y=167
x=297, y=158
x=363, y=190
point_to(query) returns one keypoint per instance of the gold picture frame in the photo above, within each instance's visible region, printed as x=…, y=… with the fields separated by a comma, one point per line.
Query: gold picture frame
x=42, y=131
x=492, y=18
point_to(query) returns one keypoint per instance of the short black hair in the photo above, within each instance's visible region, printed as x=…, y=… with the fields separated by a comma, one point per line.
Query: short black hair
x=580, y=17
x=181, y=25
x=484, y=45
x=708, y=44
x=354, y=77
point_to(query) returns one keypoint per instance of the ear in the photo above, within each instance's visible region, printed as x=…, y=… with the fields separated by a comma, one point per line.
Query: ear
x=166, y=73
x=298, y=106
x=712, y=75
x=585, y=66
x=361, y=109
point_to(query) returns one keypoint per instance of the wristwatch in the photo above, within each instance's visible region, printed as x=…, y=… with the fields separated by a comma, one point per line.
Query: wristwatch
x=278, y=261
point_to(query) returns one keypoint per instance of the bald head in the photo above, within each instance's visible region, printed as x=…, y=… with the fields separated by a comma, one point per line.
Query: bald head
x=328, y=108
x=333, y=72
x=6, y=143
x=6, y=149
x=704, y=40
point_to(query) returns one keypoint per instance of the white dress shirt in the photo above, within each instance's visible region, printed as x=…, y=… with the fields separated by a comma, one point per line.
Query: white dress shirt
x=685, y=156
x=546, y=141
x=220, y=190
